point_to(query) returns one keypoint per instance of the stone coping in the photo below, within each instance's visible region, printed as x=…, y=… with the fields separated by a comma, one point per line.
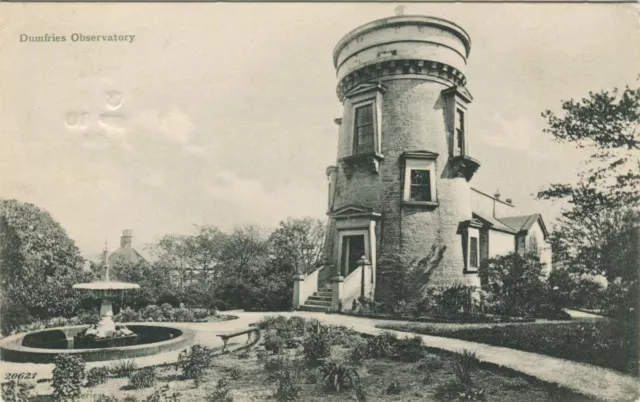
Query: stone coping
x=11, y=348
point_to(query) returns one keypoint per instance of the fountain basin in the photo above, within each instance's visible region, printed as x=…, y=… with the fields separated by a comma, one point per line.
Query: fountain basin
x=44, y=345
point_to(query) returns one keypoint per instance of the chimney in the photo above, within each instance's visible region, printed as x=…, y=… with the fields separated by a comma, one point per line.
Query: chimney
x=497, y=195
x=125, y=240
x=400, y=10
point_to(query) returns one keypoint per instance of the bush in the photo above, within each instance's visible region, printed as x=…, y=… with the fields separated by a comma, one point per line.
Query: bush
x=123, y=369
x=394, y=388
x=183, y=315
x=152, y=313
x=130, y=398
x=409, y=349
x=221, y=393
x=297, y=325
x=143, y=378
x=194, y=361
x=288, y=389
x=106, y=398
x=88, y=318
x=16, y=391
x=382, y=345
x=430, y=363
x=274, y=366
x=455, y=300
x=272, y=322
x=317, y=345
x=200, y=313
x=128, y=315
x=164, y=394
x=68, y=376
x=97, y=376
x=463, y=364
x=456, y=391
x=169, y=299
x=358, y=351
x=274, y=343
x=235, y=373
x=338, y=376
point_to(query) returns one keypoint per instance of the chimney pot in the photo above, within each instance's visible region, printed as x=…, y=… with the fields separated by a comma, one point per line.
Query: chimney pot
x=509, y=201
x=497, y=195
x=125, y=240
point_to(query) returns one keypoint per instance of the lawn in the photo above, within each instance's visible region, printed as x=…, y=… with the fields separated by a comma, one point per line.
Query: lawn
x=388, y=370
x=606, y=343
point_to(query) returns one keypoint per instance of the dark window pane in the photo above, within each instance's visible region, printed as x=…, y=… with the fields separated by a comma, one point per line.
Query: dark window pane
x=420, y=185
x=473, y=252
x=363, y=136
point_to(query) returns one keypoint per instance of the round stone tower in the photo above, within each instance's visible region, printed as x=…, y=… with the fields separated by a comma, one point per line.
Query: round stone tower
x=400, y=192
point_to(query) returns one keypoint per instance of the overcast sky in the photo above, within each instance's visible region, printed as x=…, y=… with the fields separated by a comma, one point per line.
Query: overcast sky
x=222, y=114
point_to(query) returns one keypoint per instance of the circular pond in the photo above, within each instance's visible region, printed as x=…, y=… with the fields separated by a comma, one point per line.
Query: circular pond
x=42, y=346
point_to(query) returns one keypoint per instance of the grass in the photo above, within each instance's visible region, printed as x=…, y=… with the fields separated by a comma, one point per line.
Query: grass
x=381, y=379
x=606, y=343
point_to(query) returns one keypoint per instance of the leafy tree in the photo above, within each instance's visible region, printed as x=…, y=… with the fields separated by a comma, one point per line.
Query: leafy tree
x=595, y=234
x=38, y=260
x=299, y=243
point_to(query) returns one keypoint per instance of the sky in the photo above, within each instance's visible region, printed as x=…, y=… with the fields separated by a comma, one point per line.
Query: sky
x=222, y=114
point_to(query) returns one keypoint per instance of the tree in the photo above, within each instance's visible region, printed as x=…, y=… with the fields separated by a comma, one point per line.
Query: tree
x=595, y=232
x=299, y=243
x=38, y=260
x=194, y=256
x=607, y=123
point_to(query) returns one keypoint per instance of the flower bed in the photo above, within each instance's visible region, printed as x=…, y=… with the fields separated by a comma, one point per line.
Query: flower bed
x=455, y=319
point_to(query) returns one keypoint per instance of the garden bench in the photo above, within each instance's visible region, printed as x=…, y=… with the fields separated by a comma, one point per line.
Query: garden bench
x=249, y=331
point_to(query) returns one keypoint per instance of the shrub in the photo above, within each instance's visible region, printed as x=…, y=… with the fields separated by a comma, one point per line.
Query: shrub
x=358, y=352
x=338, y=376
x=130, y=398
x=235, y=373
x=194, y=361
x=168, y=299
x=361, y=395
x=167, y=311
x=244, y=354
x=221, y=393
x=152, y=313
x=463, y=364
x=183, y=315
x=16, y=391
x=288, y=389
x=340, y=335
x=409, y=349
x=68, y=376
x=201, y=313
x=164, y=394
x=455, y=300
x=88, y=318
x=143, y=378
x=317, y=345
x=273, y=366
x=274, y=343
x=128, y=315
x=394, y=388
x=105, y=398
x=430, y=363
x=57, y=322
x=453, y=391
x=297, y=325
x=97, y=376
x=272, y=322
x=382, y=345
x=123, y=368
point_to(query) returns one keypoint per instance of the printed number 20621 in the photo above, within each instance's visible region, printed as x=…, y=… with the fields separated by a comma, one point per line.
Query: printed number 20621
x=19, y=376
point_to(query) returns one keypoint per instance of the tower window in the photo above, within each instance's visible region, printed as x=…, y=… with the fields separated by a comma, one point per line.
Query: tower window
x=460, y=132
x=473, y=252
x=363, y=139
x=420, y=185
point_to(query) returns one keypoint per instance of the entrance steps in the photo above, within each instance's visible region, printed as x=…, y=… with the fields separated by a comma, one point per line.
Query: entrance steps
x=320, y=301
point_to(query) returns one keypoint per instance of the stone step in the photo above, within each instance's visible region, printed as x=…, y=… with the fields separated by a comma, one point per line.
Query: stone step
x=318, y=303
x=320, y=309
x=322, y=293
x=320, y=297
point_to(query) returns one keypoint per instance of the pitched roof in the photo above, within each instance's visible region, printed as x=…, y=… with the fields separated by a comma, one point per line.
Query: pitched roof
x=128, y=254
x=494, y=223
x=520, y=223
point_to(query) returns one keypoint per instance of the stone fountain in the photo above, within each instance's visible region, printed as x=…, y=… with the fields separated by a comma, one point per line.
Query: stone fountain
x=105, y=333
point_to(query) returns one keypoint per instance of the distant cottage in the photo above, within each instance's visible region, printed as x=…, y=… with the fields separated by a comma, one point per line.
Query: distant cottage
x=404, y=163
x=126, y=253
